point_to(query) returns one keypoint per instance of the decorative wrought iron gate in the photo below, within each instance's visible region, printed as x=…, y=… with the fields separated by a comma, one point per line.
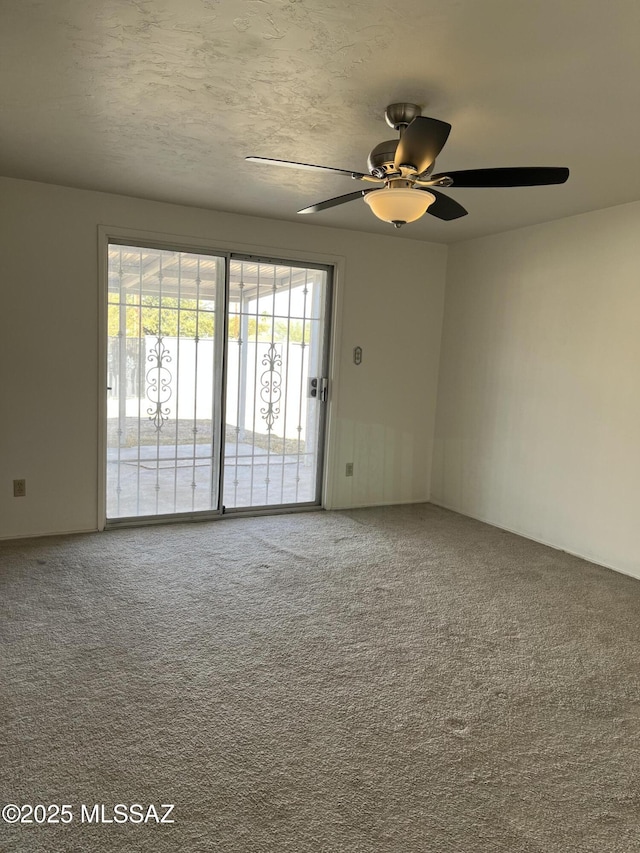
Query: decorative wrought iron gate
x=193, y=337
x=277, y=345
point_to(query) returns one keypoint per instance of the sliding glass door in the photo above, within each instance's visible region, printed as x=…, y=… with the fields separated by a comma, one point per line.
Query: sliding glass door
x=164, y=368
x=216, y=382
x=275, y=387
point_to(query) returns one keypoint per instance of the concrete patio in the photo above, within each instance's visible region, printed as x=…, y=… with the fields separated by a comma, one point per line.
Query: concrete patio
x=162, y=479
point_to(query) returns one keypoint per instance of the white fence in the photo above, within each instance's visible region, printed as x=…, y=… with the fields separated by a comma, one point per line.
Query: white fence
x=262, y=384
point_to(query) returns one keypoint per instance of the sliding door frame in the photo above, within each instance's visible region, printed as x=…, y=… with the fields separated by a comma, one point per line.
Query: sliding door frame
x=159, y=240
x=220, y=346
x=325, y=344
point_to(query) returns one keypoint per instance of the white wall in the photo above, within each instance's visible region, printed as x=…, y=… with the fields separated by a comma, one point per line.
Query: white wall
x=538, y=419
x=382, y=413
x=538, y=405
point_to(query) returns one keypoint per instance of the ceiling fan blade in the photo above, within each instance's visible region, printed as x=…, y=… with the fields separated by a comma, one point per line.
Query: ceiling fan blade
x=444, y=207
x=525, y=176
x=292, y=165
x=334, y=202
x=421, y=143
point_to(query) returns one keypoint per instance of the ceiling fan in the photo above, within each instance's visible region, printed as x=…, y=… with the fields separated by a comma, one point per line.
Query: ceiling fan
x=404, y=168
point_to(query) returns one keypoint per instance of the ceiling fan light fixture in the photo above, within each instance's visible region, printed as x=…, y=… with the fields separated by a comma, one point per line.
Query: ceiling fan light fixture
x=406, y=165
x=399, y=205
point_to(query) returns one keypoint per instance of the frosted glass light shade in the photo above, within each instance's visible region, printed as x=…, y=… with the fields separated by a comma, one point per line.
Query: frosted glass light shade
x=399, y=205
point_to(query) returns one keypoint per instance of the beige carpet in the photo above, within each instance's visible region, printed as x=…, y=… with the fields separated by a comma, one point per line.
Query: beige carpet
x=400, y=679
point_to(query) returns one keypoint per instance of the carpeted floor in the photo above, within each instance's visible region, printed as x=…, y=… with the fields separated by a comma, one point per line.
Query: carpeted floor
x=399, y=679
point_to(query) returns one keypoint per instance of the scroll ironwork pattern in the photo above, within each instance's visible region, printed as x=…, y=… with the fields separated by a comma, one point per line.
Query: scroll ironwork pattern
x=159, y=380
x=271, y=386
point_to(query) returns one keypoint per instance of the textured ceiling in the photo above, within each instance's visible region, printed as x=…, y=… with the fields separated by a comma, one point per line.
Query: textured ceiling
x=163, y=99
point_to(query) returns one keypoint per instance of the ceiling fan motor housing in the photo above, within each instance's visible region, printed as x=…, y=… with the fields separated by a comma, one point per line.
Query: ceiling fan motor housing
x=382, y=157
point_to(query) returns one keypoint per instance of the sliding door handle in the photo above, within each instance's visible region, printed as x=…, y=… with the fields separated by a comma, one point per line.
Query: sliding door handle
x=319, y=388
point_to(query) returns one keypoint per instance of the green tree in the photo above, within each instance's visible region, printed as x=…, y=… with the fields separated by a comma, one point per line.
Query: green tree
x=172, y=318
x=151, y=318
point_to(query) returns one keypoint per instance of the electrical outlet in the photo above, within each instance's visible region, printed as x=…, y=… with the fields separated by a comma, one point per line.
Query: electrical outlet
x=348, y=471
x=19, y=488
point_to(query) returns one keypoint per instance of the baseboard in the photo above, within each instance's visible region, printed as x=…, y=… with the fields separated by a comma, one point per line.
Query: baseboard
x=342, y=508
x=16, y=536
x=587, y=558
